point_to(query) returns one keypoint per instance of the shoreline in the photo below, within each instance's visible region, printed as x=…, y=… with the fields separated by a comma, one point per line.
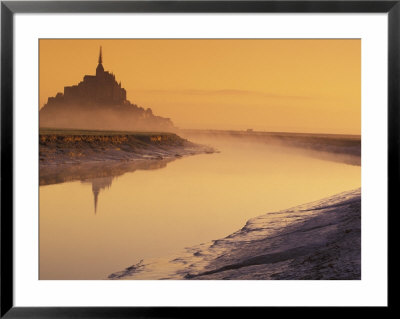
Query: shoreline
x=314, y=241
x=68, y=147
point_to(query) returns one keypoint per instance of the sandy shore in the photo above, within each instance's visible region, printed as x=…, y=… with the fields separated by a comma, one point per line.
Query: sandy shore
x=78, y=146
x=315, y=241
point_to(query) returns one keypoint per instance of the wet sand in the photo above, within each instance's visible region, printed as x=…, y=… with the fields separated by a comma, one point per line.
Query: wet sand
x=57, y=146
x=315, y=241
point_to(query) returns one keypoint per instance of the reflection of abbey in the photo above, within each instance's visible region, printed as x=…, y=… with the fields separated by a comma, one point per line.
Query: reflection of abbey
x=98, y=184
x=98, y=102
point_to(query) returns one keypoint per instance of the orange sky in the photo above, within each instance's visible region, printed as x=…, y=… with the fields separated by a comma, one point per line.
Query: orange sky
x=266, y=85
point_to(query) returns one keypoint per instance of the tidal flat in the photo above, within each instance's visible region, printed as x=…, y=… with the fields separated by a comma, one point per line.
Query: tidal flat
x=60, y=146
x=205, y=216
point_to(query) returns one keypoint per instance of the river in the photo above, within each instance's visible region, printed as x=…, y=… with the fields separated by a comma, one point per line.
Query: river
x=93, y=227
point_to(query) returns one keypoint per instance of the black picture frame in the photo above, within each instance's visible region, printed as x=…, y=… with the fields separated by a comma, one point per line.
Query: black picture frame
x=9, y=8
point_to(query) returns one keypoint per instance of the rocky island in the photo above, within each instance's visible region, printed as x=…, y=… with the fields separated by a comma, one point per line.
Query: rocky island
x=94, y=122
x=99, y=103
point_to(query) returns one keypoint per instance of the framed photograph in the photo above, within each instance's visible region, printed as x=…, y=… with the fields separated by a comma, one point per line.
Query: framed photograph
x=159, y=156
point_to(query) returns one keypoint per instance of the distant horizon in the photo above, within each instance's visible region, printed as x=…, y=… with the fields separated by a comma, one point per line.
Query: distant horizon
x=200, y=129
x=265, y=131
x=292, y=86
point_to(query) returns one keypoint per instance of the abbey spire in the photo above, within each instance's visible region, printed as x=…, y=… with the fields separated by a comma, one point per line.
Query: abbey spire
x=100, y=57
x=100, y=69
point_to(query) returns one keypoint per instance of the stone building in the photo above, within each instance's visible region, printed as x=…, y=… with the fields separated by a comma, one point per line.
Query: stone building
x=101, y=88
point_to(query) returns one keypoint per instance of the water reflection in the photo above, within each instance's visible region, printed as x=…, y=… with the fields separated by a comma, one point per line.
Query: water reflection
x=100, y=175
x=156, y=212
x=97, y=185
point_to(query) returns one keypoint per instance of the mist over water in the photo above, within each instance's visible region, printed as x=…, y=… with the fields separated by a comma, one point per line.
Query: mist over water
x=103, y=117
x=149, y=213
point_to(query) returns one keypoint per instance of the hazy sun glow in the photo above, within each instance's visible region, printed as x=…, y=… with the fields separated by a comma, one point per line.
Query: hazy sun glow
x=269, y=85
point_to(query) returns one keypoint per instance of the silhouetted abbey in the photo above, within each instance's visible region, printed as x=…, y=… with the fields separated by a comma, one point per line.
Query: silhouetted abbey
x=99, y=102
x=101, y=88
